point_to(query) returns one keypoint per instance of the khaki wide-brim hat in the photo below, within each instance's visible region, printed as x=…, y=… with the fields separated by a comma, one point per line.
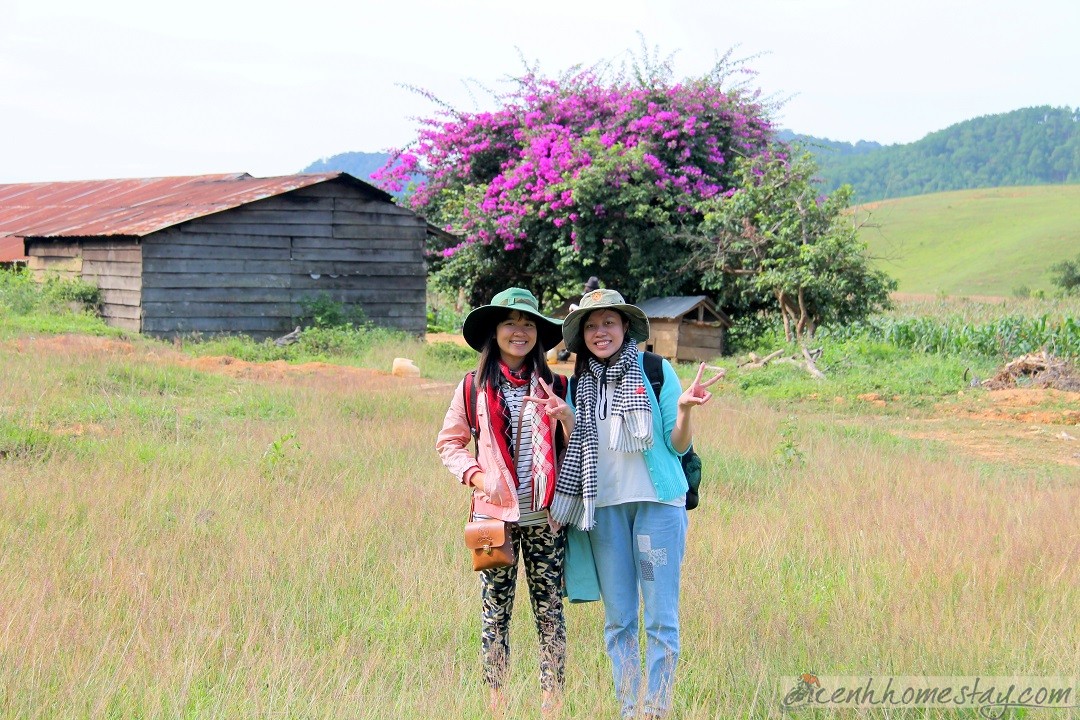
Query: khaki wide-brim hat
x=481, y=322
x=603, y=300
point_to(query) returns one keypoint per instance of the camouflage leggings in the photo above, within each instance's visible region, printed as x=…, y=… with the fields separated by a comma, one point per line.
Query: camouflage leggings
x=542, y=553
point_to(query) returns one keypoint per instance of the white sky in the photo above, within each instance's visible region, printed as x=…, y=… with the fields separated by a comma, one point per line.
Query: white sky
x=139, y=88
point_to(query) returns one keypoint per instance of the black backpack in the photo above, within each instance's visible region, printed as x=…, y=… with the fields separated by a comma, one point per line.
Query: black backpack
x=691, y=461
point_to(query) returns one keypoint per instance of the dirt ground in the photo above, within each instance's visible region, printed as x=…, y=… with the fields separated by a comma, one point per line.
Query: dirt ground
x=1017, y=426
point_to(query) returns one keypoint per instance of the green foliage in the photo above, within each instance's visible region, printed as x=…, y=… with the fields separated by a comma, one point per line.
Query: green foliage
x=1031, y=146
x=74, y=290
x=1066, y=275
x=442, y=313
x=1000, y=339
x=280, y=460
x=323, y=311
x=776, y=240
x=27, y=305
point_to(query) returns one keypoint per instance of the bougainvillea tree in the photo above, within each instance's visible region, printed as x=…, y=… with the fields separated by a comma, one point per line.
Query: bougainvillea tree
x=585, y=174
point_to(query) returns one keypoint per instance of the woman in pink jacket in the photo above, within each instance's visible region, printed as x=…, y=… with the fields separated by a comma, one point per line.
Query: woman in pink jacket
x=513, y=477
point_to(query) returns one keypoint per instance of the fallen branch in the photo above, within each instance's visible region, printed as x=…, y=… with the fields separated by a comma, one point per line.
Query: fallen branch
x=756, y=362
x=810, y=366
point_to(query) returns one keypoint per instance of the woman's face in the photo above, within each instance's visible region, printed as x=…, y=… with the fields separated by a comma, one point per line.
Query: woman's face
x=603, y=332
x=516, y=336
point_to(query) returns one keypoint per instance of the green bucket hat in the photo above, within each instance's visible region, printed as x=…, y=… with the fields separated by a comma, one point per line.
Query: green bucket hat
x=603, y=300
x=481, y=322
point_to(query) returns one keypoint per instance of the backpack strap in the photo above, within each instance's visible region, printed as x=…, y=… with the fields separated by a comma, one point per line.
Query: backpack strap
x=468, y=394
x=654, y=371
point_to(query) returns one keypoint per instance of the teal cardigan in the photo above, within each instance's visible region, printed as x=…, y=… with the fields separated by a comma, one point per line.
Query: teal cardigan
x=666, y=472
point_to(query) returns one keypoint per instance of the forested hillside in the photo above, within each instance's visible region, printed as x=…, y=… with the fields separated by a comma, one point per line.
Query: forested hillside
x=357, y=164
x=1032, y=146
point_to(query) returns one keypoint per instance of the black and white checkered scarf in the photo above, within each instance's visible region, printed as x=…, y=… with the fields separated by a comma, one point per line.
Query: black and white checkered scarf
x=631, y=431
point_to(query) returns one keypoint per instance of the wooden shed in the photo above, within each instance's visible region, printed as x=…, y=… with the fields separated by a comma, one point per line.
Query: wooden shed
x=685, y=328
x=226, y=253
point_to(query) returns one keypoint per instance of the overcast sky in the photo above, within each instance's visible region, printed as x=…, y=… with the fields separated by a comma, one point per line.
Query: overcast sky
x=137, y=88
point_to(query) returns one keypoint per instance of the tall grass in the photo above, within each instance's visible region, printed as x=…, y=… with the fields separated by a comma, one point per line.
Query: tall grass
x=182, y=544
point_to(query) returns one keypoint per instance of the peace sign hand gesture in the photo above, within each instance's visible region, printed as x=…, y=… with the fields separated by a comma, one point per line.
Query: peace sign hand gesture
x=553, y=405
x=696, y=394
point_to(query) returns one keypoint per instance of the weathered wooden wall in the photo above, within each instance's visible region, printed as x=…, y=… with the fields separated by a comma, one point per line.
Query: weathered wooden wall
x=664, y=338
x=115, y=266
x=248, y=270
x=700, y=341
x=686, y=340
x=63, y=259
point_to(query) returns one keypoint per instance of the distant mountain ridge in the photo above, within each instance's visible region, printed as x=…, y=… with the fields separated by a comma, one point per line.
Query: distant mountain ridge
x=1030, y=146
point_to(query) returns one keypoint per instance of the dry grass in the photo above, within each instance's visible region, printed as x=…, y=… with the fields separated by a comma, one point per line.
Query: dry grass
x=175, y=543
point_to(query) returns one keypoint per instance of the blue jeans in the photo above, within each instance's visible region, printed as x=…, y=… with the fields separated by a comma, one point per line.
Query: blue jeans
x=638, y=547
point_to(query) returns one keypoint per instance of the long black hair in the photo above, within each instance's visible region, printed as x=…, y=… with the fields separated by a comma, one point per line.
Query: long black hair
x=487, y=366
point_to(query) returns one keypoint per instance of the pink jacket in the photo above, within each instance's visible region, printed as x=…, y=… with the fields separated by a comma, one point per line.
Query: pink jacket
x=499, y=499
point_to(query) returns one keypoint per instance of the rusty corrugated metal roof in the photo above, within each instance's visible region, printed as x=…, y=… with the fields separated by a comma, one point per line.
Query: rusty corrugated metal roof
x=138, y=207
x=11, y=248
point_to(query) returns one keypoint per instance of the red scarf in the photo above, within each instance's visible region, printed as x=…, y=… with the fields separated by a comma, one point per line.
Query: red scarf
x=543, y=433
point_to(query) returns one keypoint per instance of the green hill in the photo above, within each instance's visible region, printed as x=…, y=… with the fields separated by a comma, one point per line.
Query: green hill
x=1031, y=146
x=975, y=242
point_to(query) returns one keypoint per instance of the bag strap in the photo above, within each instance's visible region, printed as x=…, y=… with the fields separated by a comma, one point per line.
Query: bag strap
x=468, y=394
x=654, y=371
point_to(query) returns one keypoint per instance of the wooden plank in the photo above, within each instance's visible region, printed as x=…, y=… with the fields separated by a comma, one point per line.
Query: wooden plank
x=117, y=282
x=180, y=266
x=702, y=337
x=379, y=232
x=203, y=280
x=382, y=216
x=370, y=205
x=131, y=325
x=199, y=236
x=129, y=254
x=372, y=267
x=308, y=244
x=95, y=268
x=269, y=216
x=696, y=354
x=66, y=267
x=127, y=312
x=216, y=294
x=232, y=309
x=298, y=199
x=263, y=229
x=350, y=256
x=120, y=297
x=50, y=249
x=218, y=252
x=306, y=283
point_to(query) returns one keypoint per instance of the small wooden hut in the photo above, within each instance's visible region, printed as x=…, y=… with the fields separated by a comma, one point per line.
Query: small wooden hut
x=685, y=328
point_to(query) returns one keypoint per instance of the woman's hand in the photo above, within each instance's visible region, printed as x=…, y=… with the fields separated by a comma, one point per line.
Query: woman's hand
x=554, y=406
x=696, y=394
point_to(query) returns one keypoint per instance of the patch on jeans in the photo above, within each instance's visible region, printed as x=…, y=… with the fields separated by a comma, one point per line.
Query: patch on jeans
x=647, y=570
x=658, y=556
x=644, y=543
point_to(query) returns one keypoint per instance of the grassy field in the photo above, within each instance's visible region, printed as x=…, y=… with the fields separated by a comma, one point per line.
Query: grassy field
x=975, y=242
x=189, y=536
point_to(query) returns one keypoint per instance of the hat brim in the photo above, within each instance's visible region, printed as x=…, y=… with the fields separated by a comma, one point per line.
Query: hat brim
x=571, y=326
x=480, y=323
